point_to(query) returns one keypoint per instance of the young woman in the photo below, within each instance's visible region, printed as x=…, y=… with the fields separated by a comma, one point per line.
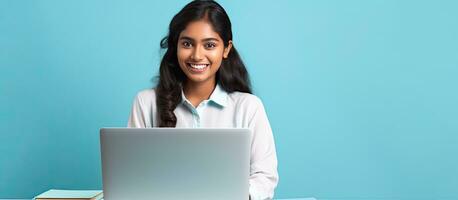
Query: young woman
x=204, y=83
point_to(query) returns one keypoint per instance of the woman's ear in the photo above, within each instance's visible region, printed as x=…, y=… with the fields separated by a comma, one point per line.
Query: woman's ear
x=227, y=49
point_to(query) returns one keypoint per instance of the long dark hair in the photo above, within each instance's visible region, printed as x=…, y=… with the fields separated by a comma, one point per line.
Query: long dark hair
x=231, y=76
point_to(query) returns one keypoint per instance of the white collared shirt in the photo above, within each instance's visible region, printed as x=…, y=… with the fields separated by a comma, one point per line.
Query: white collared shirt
x=223, y=110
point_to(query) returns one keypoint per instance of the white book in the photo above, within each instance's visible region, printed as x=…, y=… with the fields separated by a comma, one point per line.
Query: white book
x=54, y=194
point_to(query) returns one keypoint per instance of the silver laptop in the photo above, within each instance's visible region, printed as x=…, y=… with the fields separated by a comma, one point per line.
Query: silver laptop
x=175, y=164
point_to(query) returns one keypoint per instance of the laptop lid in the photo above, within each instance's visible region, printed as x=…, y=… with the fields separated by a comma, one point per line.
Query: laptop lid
x=175, y=163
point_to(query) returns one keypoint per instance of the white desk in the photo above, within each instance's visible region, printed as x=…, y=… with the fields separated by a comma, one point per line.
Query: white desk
x=275, y=199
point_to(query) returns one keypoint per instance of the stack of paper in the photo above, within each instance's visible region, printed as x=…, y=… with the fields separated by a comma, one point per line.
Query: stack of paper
x=70, y=194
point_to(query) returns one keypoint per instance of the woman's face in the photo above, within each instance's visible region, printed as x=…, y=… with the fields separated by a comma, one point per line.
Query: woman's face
x=200, y=51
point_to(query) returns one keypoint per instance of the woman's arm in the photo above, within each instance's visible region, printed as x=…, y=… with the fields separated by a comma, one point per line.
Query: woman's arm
x=141, y=113
x=263, y=172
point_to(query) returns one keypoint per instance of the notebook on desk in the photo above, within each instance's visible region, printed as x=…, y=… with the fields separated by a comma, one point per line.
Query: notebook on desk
x=173, y=163
x=54, y=194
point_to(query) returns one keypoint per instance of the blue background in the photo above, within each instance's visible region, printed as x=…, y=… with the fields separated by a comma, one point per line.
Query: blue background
x=362, y=95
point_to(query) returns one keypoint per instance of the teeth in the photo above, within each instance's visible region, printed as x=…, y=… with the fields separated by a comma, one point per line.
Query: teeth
x=198, y=66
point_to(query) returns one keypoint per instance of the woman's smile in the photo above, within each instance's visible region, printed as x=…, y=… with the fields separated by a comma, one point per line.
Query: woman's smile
x=197, y=68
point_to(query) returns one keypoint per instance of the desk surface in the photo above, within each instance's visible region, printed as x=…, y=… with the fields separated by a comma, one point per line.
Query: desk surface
x=275, y=199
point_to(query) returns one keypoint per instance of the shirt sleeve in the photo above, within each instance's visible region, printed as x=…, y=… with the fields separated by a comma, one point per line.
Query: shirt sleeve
x=263, y=171
x=137, y=114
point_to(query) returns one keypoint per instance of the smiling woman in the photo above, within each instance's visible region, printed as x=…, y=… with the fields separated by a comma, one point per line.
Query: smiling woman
x=204, y=83
x=200, y=33
x=200, y=53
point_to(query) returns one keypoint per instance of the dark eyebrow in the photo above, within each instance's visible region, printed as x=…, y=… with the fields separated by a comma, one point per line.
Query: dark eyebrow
x=204, y=40
x=209, y=39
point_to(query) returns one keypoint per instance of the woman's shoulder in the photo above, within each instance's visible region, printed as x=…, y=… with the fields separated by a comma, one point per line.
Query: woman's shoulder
x=147, y=95
x=245, y=99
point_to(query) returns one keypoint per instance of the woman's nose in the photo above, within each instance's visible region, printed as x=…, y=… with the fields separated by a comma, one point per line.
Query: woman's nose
x=197, y=54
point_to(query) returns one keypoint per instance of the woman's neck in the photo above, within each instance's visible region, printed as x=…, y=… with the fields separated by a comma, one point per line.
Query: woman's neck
x=198, y=92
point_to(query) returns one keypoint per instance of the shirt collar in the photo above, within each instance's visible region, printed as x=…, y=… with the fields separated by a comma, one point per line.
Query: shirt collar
x=219, y=96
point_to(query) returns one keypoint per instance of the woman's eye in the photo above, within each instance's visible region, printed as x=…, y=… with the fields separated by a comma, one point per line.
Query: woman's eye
x=210, y=45
x=186, y=44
